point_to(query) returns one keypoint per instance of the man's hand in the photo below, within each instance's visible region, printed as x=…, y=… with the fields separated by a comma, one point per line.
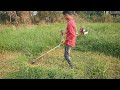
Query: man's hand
x=63, y=42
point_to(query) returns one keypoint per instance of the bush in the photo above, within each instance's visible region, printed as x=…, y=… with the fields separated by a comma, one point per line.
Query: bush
x=107, y=18
x=116, y=19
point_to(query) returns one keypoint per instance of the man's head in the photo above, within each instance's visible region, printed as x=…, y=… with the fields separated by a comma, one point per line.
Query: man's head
x=67, y=15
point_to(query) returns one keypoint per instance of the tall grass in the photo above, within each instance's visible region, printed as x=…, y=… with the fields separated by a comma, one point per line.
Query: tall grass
x=102, y=37
x=31, y=40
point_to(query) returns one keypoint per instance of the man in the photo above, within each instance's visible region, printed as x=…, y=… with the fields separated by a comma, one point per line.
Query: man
x=70, y=40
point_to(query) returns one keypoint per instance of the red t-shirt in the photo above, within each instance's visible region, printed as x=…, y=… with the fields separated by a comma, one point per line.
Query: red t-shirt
x=71, y=33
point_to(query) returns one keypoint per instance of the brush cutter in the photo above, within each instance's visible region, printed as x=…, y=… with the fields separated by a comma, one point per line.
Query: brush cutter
x=49, y=50
x=82, y=31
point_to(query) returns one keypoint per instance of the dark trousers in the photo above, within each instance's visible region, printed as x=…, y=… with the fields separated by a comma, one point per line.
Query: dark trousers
x=67, y=55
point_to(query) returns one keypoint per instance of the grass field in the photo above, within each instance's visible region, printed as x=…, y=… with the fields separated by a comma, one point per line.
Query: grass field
x=96, y=55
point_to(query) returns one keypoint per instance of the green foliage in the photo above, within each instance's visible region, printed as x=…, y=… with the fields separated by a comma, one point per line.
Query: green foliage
x=101, y=38
x=116, y=19
x=30, y=40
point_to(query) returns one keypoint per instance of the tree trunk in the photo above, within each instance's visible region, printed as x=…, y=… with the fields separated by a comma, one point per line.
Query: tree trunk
x=10, y=14
x=106, y=12
x=10, y=18
x=16, y=17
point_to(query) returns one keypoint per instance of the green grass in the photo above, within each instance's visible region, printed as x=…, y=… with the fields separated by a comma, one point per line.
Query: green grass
x=96, y=55
x=30, y=40
x=103, y=38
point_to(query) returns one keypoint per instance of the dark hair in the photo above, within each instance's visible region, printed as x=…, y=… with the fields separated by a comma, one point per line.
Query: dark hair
x=67, y=12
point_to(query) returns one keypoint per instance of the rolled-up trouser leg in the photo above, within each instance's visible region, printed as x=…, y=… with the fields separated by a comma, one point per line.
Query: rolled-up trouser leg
x=67, y=55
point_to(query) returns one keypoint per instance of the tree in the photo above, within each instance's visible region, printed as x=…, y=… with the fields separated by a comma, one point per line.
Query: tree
x=50, y=16
x=25, y=17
